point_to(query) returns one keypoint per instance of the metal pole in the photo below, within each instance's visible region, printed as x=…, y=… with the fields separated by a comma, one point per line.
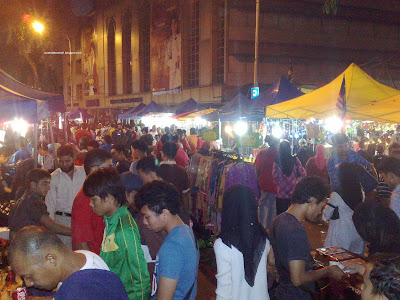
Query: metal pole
x=35, y=155
x=50, y=123
x=70, y=70
x=256, y=44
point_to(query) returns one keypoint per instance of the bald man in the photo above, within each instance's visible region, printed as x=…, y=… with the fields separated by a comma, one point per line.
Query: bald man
x=40, y=258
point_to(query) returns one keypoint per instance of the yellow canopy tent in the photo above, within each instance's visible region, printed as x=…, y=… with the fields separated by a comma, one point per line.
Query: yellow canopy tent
x=361, y=90
x=387, y=110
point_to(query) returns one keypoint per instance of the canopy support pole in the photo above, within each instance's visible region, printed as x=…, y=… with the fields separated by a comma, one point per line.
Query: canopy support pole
x=50, y=124
x=66, y=127
x=35, y=156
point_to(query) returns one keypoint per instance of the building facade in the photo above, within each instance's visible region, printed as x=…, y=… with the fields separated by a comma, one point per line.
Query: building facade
x=167, y=51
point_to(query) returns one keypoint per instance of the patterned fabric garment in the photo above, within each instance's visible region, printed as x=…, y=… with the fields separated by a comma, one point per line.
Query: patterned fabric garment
x=287, y=184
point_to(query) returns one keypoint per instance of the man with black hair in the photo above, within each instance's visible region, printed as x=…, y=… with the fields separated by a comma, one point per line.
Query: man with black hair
x=382, y=277
x=147, y=137
x=107, y=143
x=151, y=241
x=139, y=150
x=121, y=247
x=291, y=245
x=118, y=154
x=389, y=168
x=87, y=228
x=66, y=181
x=44, y=262
x=147, y=169
x=22, y=151
x=31, y=209
x=173, y=173
x=178, y=258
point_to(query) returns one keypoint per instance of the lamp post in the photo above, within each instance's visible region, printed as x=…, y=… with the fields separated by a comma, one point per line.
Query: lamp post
x=39, y=28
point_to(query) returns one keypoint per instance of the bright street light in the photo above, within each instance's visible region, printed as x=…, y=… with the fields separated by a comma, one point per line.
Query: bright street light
x=38, y=27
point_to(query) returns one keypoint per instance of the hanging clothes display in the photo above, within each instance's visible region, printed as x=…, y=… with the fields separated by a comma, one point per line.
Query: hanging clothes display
x=210, y=175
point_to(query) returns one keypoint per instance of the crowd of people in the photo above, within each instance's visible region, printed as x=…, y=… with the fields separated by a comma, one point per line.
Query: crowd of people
x=107, y=216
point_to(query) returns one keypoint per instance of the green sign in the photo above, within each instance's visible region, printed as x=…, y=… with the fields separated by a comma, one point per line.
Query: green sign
x=210, y=135
x=250, y=140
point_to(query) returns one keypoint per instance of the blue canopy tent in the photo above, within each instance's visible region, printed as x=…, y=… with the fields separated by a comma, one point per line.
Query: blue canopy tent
x=153, y=107
x=281, y=90
x=241, y=107
x=186, y=106
x=79, y=113
x=130, y=113
x=18, y=100
x=236, y=105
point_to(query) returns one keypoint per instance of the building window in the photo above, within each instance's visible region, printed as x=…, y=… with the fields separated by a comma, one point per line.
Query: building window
x=144, y=49
x=111, y=63
x=220, y=42
x=193, y=78
x=127, y=53
x=79, y=92
x=78, y=64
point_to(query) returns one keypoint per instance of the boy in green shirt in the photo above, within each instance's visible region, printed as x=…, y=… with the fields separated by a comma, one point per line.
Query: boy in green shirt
x=121, y=247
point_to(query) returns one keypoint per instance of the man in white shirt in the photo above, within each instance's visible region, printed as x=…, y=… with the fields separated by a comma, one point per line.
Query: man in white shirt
x=65, y=183
x=40, y=258
x=390, y=171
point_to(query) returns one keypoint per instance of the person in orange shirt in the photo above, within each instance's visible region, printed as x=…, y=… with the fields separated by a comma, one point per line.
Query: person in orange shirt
x=193, y=140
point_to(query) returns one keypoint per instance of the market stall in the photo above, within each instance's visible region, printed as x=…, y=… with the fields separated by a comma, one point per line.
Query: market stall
x=25, y=104
x=360, y=90
x=130, y=113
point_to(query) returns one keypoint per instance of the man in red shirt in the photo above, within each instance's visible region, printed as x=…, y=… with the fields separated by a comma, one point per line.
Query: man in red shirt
x=83, y=132
x=87, y=228
x=264, y=164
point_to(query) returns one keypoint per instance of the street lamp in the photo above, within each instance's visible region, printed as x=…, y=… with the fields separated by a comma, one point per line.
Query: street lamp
x=39, y=28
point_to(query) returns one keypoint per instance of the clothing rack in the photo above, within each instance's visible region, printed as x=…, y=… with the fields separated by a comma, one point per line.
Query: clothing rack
x=210, y=173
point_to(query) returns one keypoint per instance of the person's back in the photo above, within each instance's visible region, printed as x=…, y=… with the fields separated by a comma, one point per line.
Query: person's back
x=92, y=284
x=264, y=164
x=174, y=174
x=241, y=250
x=178, y=258
x=290, y=242
x=27, y=211
x=304, y=154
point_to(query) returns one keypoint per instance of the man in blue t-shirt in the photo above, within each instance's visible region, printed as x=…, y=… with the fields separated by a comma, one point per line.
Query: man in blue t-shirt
x=178, y=259
x=291, y=245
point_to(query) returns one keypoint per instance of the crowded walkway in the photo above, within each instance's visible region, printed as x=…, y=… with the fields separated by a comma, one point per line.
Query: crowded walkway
x=160, y=213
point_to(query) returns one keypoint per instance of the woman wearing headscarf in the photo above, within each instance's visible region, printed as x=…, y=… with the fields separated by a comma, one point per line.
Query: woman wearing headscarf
x=316, y=166
x=242, y=248
x=287, y=171
x=340, y=208
x=379, y=226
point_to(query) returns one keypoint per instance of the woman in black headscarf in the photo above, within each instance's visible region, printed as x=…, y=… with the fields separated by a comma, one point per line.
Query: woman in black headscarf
x=241, y=250
x=340, y=209
x=379, y=226
x=287, y=171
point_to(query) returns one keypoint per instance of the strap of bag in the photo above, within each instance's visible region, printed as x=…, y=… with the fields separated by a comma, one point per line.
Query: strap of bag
x=189, y=293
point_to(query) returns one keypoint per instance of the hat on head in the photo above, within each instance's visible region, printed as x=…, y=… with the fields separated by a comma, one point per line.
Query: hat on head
x=131, y=181
x=302, y=141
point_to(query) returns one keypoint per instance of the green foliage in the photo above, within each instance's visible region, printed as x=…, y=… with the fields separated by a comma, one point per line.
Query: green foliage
x=330, y=7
